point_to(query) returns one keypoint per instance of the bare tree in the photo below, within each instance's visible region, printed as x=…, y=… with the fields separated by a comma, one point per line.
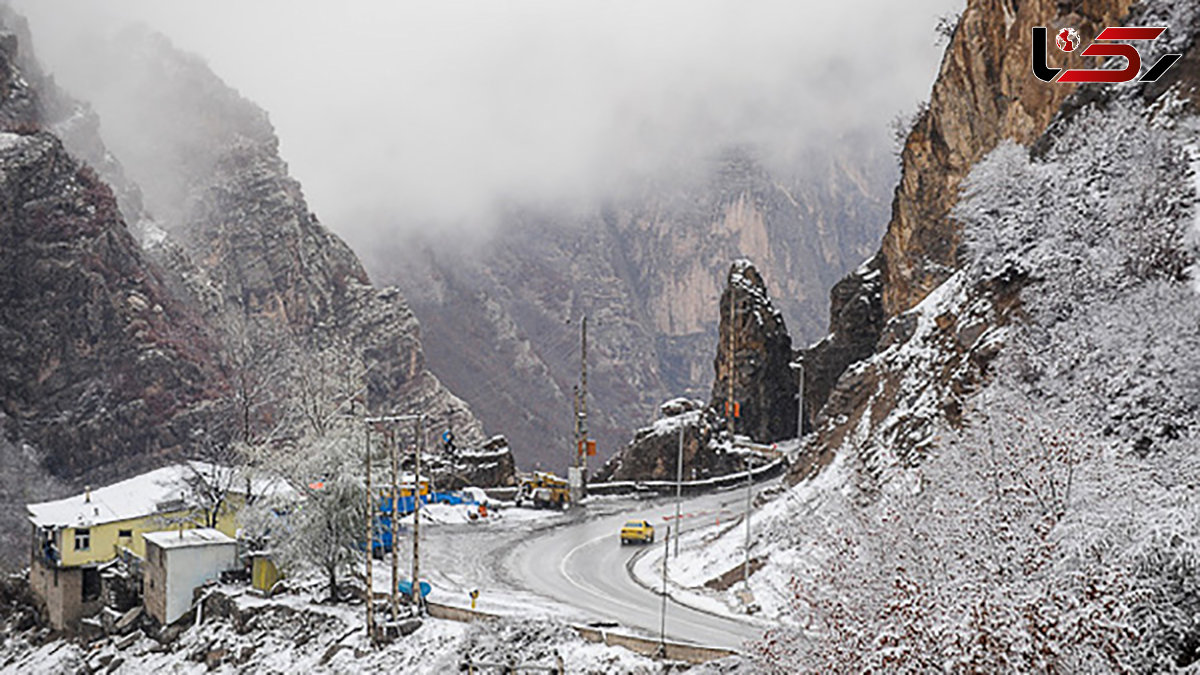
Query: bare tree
x=331, y=383
x=261, y=356
x=320, y=457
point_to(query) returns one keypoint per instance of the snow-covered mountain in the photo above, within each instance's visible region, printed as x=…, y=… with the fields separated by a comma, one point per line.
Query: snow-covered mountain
x=1006, y=483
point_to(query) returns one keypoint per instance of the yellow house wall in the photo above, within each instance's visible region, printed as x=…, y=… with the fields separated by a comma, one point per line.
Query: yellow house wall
x=105, y=544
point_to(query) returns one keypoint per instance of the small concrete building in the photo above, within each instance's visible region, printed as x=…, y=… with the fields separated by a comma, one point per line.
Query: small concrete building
x=178, y=562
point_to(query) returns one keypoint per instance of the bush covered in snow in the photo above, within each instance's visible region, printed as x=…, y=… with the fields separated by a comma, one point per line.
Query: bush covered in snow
x=1057, y=530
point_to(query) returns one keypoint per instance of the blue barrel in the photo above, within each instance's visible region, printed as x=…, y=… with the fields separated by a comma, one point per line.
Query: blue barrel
x=405, y=587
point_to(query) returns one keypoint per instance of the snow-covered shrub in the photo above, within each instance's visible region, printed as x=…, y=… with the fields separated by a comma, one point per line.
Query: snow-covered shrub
x=1059, y=529
x=1103, y=226
x=322, y=528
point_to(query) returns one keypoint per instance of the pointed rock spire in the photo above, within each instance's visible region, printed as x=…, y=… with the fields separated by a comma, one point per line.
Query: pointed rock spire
x=763, y=385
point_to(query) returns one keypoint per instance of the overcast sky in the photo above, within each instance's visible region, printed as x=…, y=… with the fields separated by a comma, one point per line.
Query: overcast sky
x=409, y=113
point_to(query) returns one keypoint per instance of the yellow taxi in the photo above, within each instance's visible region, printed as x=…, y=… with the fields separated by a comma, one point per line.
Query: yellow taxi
x=637, y=530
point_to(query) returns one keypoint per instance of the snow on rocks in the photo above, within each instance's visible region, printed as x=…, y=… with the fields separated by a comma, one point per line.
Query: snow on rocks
x=783, y=531
x=248, y=634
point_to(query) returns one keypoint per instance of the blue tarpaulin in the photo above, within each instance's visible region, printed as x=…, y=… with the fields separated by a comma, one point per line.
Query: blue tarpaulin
x=383, y=521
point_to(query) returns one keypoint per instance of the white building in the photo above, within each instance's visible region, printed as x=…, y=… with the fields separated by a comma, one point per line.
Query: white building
x=178, y=562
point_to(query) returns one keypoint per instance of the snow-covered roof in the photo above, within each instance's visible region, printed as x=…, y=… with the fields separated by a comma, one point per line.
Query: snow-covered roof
x=161, y=490
x=183, y=538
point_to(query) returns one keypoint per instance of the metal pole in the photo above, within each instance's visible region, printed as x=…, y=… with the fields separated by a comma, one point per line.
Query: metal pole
x=395, y=591
x=678, y=490
x=746, y=563
x=662, y=622
x=800, y=411
x=370, y=542
x=577, y=452
x=416, y=561
x=583, y=428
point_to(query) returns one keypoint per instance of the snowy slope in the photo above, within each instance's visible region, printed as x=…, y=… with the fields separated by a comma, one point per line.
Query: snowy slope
x=1048, y=519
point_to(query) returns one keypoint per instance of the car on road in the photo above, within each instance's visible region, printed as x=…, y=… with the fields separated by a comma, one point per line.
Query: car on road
x=637, y=530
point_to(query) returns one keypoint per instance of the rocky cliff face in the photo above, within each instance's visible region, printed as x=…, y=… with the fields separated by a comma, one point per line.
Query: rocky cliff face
x=984, y=94
x=101, y=362
x=502, y=324
x=115, y=357
x=104, y=369
x=239, y=235
x=753, y=363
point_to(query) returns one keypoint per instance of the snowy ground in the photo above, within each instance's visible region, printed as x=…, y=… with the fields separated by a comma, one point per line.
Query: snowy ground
x=292, y=634
x=716, y=544
x=460, y=555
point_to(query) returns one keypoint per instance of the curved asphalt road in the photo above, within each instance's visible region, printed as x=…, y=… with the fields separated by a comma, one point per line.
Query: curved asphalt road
x=583, y=564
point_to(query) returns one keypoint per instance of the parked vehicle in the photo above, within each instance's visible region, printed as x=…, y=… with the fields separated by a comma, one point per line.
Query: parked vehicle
x=543, y=490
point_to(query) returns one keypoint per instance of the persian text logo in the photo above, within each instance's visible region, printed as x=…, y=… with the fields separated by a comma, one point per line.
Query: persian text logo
x=1067, y=39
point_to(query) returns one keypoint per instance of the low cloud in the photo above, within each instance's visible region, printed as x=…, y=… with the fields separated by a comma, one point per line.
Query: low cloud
x=418, y=115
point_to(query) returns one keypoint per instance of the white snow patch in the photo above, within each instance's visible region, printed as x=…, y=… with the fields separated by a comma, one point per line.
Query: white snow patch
x=8, y=140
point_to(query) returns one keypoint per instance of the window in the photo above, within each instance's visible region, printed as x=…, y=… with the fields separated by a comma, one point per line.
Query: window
x=83, y=539
x=125, y=534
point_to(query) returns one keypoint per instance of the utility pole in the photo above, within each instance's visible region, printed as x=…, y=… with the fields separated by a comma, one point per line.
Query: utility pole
x=395, y=594
x=370, y=541
x=678, y=491
x=417, y=599
x=746, y=562
x=578, y=439
x=731, y=410
x=800, y=407
x=583, y=421
x=577, y=474
x=382, y=423
x=662, y=614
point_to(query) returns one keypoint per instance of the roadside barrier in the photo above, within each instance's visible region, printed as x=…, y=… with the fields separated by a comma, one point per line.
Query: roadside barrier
x=674, y=651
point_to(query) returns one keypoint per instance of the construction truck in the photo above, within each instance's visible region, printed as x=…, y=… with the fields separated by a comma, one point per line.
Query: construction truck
x=543, y=490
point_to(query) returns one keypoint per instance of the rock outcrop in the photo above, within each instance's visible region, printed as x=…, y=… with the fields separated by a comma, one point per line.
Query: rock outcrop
x=764, y=386
x=983, y=95
x=856, y=309
x=103, y=368
x=491, y=465
x=654, y=452
x=753, y=363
